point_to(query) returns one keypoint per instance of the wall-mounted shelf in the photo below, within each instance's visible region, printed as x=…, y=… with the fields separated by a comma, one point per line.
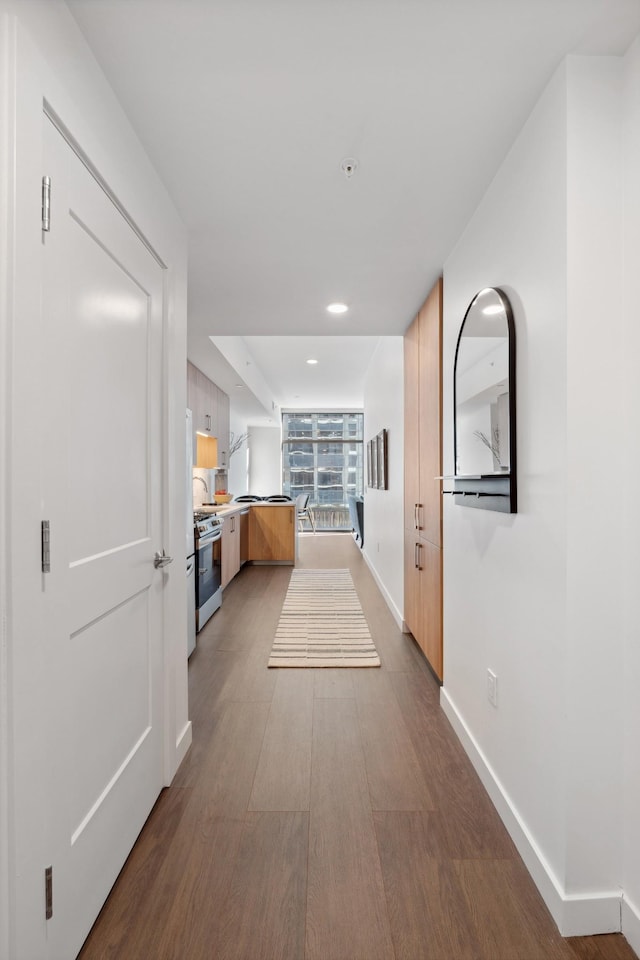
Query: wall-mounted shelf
x=491, y=491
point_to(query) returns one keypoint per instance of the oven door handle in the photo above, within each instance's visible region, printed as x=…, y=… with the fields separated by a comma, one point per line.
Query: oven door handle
x=205, y=541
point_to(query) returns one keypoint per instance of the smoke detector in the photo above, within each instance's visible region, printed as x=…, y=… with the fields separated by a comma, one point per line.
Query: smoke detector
x=349, y=166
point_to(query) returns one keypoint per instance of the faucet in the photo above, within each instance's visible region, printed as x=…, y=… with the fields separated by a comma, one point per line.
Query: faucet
x=202, y=480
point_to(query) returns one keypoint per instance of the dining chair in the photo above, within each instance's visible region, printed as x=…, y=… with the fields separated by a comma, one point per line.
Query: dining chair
x=304, y=511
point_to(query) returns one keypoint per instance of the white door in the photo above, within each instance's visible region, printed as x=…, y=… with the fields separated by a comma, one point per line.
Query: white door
x=101, y=461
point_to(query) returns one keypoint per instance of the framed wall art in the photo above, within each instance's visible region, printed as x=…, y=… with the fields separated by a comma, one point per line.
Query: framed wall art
x=377, y=467
x=381, y=450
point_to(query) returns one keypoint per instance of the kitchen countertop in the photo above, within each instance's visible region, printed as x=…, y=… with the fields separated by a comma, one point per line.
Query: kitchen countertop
x=227, y=509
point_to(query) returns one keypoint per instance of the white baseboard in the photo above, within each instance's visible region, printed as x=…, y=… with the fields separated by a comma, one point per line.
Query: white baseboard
x=397, y=616
x=575, y=914
x=631, y=924
x=183, y=743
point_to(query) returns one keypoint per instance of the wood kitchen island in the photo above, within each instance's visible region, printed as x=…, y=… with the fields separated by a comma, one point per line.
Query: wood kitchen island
x=260, y=532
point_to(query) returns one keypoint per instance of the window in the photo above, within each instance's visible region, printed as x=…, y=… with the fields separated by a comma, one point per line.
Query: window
x=322, y=455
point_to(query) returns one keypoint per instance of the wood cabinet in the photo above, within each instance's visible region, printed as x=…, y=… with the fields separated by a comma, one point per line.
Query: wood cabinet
x=423, y=493
x=272, y=533
x=222, y=426
x=230, y=548
x=210, y=408
x=244, y=537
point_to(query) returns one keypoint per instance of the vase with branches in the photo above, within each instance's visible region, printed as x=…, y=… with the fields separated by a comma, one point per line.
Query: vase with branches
x=492, y=444
x=235, y=442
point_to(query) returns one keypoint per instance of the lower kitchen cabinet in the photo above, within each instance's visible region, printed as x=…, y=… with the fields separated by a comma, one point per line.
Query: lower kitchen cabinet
x=244, y=537
x=272, y=533
x=230, y=548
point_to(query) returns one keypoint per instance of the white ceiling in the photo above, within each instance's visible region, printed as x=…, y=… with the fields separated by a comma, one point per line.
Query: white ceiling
x=247, y=109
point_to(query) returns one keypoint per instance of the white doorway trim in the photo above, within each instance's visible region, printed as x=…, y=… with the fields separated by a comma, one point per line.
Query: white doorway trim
x=6, y=216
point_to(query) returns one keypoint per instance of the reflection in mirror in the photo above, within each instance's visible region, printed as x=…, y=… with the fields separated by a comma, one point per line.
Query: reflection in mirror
x=484, y=405
x=482, y=387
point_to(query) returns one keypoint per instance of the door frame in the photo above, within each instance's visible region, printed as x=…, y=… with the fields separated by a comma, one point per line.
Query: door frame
x=30, y=82
x=6, y=219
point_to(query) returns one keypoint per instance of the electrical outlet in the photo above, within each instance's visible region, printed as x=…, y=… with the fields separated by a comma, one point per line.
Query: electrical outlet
x=492, y=688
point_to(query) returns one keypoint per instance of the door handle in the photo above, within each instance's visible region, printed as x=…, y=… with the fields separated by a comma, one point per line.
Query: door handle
x=417, y=549
x=161, y=559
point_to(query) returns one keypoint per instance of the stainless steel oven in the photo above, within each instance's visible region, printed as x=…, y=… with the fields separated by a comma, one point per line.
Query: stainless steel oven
x=208, y=543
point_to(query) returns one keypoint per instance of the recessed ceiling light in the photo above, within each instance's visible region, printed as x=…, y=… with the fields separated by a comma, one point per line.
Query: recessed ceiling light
x=492, y=310
x=312, y=361
x=337, y=308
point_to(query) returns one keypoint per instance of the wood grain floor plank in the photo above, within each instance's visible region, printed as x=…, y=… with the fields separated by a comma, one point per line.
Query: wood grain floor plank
x=510, y=919
x=346, y=906
x=396, y=780
x=467, y=825
x=249, y=680
x=607, y=946
x=429, y=917
x=283, y=777
x=333, y=684
x=137, y=891
x=228, y=770
x=198, y=872
x=263, y=917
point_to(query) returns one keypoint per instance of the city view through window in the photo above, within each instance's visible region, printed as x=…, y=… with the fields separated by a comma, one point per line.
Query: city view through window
x=322, y=455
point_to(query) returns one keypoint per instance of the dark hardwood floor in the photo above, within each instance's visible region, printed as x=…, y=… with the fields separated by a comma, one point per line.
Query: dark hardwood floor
x=324, y=814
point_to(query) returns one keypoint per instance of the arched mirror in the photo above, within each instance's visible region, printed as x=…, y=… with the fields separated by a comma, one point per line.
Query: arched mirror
x=484, y=405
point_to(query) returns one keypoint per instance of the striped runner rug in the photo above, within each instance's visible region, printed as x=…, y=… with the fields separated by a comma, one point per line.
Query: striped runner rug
x=322, y=623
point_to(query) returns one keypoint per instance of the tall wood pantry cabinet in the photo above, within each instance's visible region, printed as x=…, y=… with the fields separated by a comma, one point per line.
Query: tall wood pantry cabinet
x=422, y=492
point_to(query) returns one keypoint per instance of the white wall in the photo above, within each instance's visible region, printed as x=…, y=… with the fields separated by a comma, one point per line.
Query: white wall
x=595, y=518
x=239, y=463
x=538, y=597
x=265, y=461
x=383, y=509
x=628, y=455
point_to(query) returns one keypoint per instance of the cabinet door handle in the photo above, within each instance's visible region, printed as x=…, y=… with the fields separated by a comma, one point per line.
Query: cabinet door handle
x=207, y=418
x=416, y=554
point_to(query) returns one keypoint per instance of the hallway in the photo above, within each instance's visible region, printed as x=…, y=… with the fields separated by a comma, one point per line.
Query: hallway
x=323, y=814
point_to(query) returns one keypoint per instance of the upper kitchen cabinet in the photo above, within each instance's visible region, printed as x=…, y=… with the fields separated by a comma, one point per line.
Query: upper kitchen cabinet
x=201, y=400
x=210, y=408
x=223, y=430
